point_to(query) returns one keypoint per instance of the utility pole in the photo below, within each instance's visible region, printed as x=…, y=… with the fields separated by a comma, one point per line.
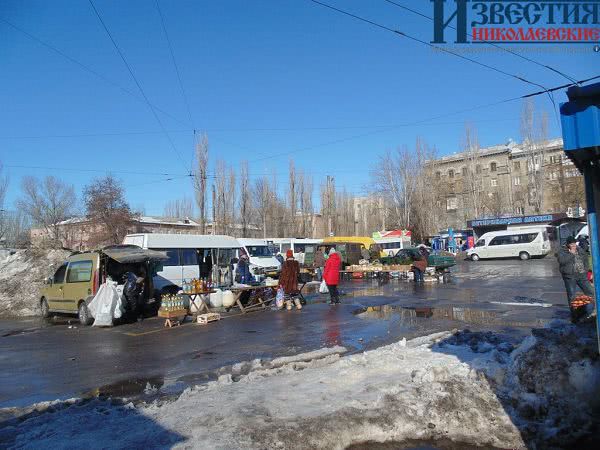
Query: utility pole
x=214, y=213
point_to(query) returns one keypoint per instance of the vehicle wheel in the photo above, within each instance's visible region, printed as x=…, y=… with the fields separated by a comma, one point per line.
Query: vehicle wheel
x=84, y=314
x=45, y=309
x=524, y=256
x=446, y=278
x=474, y=257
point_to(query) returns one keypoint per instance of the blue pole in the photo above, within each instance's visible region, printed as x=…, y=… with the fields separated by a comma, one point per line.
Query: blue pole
x=594, y=234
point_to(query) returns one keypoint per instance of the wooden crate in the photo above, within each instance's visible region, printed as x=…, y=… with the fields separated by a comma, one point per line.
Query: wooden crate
x=203, y=319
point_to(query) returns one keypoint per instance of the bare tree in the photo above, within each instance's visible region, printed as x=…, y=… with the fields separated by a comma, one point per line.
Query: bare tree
x=219, y=205
x=426, y=220
x=200, y=180
x=262, y=201
x=108, y=211
x=292, y=199
x=3, y=190
x=534, y=133
x=328, y=205
x=230, y=201
x=180, y=208
x=473, y=182
x=47, y=203
x=245, y=202
x=307, y=205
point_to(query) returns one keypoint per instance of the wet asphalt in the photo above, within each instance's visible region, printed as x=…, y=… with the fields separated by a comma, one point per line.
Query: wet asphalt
x=53, y=359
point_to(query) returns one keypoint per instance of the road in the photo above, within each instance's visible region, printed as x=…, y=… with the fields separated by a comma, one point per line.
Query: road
x=46, y=360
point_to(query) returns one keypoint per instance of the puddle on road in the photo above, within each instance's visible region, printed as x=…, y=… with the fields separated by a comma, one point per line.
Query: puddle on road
x=412, y=314
x=19, y=332
x=127, y=388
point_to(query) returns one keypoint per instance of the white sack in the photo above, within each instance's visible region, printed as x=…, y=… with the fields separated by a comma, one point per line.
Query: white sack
x=106, y=305
x=323, y=288
x=228, y=299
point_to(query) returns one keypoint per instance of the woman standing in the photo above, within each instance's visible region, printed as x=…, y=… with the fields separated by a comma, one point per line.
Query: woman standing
x=288, y=280
x=331, y=275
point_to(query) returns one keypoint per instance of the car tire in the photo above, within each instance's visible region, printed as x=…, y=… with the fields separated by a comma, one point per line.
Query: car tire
x=84, y=314
x=474, y=257
x=524, y=256
x=44, y=308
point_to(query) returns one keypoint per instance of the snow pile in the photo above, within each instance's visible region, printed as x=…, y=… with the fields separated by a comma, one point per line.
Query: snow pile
x=471, y=388
x=21, y=278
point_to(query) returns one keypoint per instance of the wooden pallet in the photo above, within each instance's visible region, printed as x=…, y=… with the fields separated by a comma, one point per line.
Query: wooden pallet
x=203, y=319
x=172, y=318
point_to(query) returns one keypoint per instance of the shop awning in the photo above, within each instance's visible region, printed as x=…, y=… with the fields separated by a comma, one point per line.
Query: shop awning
x=132, y=253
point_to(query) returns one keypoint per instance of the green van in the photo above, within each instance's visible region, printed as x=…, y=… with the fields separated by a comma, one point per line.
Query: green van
x=73, y=285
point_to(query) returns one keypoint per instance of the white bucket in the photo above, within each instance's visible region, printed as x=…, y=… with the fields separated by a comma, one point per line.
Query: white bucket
x=228, y=299
x=216, y=299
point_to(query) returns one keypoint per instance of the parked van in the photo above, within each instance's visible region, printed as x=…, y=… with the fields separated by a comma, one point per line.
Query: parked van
x=75, y=283
x=390, y=246
x=297, y=245
x=190, y=256
x=262, y=260
x=518, y=243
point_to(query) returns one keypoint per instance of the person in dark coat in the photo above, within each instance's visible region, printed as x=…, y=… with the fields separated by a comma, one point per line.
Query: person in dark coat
x=574, y=266
x=288, y=280
x=419, y=265
x=331, y=275
x=319, y=263
x=242, y=273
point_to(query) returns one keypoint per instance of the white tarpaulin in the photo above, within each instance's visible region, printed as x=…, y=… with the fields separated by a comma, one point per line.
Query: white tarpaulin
x=106, y=305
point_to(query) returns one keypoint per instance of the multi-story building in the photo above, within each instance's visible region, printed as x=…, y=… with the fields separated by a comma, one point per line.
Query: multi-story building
x=509, y=179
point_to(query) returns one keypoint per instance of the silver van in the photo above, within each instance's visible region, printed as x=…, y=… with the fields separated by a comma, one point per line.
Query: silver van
x=517, y=243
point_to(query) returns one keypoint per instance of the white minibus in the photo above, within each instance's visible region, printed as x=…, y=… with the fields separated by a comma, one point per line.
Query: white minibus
x=262, y=260
x=297, y=245
x=390, y=245
x=521, y=243
x=190, y=256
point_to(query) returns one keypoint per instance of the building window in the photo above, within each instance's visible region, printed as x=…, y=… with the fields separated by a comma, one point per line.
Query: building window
x=517, y=181
x=479, y=185
x=493, y=182
x=464, y=171
x=519, y=210
x=439, y=204
x=451, y=173
x=451, y=203
x=438, y=175
x=517, y=165
x=554, y=159
x=478, y=168
x=493, y=167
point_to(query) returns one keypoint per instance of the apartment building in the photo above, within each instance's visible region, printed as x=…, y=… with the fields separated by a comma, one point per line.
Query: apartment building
x=509, y=179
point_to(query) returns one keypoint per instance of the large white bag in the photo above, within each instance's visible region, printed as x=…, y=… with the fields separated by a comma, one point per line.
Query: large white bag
x=228, y=299
x=323, y=288
x=216, y=299
x=106, y=305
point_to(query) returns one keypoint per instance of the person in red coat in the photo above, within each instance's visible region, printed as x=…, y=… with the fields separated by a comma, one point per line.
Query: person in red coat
x=331, y=275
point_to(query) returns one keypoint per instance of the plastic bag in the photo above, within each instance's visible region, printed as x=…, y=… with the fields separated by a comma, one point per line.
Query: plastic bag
x=106, y=305
x=280, y=298
x=323, y=288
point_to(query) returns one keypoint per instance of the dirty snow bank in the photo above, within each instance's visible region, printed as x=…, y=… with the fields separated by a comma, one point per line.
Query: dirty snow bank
x=21, y=277
x=474, y=388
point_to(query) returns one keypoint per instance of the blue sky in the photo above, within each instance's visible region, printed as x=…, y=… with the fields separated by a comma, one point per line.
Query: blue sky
x=266, y=80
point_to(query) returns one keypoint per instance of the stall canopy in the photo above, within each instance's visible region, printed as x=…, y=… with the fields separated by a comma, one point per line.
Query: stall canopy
x=126, y=254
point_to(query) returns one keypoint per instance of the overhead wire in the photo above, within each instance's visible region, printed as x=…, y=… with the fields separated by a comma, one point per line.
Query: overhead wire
x=442, y=49
x=137, y=82
x=504, y=49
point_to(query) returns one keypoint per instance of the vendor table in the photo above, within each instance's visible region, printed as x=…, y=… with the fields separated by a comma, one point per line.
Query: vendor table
x=259, y=291
x=198, y=301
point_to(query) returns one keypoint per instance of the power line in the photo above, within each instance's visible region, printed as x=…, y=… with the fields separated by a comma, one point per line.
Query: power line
x=185, y=99
x=137, y=82
x=416, y=39
x=489, y=43
x=508, y=100
x=75, y=169
x=87, y=68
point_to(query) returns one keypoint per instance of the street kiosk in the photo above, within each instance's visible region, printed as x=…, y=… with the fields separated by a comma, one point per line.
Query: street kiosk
x=580, y=118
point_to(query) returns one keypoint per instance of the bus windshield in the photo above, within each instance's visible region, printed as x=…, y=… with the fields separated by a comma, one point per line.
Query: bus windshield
x=259, y=250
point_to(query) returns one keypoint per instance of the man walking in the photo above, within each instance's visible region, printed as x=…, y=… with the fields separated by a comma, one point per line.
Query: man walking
x=573, y=265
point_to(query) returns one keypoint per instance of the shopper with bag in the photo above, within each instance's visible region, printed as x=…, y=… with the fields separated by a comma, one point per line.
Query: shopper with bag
x=319, y=263
x=331, y=276
x=288, y=280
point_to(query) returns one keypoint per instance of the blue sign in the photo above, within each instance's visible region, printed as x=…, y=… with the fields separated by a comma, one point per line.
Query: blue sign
x=511, y=220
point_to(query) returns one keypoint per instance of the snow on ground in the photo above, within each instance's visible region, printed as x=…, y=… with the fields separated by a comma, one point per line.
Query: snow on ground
x=21, y=278
x=471, y=388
